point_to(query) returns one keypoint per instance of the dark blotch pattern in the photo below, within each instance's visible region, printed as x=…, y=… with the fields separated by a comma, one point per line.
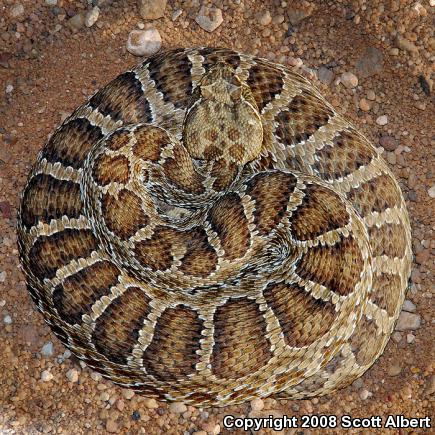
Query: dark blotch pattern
x=337, y=267
x=200, y=258
x=213, y=56
x=303, y=318
x=240, y=343
x=117, y=330
x=123, y=215
x=46, y=198
x=347, y=153
x=76, y=295
x=305, y=114
x=321, y=211
x=227, y=218
x=385, y=291
x=172, y=353
x=271, y=192
x=72, y=142
x=123, y=99
x=265, y=82
x=51, y=252
x=171, y=74
x=375, y=195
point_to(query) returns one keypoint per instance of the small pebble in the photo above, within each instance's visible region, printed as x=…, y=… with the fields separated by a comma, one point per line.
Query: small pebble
x=47, y=349
x=389, y=143
x=46, y=376
x=9, y=89
x=152, y=9
x=17, y=10
x=150, y=403
x=364, y=394
x=128, y=394
x=76, y=22
x=209, y=19
x=177, y=407
x=405, y=45
x=257, y=404
x=104, y=396
x=144, y=42
x=325, y=75
x=382, y=120
x=2, y=276
x=410, y=338
x=364, y=105
x=72, y=375
x=408, y=321
x=120, y=405
x=92, y=16
x=51, y=2
x=394, y=370
x=396, y=336
x=431, y=191
x=371, y=95
x=7, y=319
x=111, y=426
x=135, y=416
x=176, y=14
x=408, y=306
x=264, y=18
x=349, y=80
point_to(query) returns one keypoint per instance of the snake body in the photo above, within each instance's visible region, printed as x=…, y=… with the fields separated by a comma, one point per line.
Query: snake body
x=207, y=228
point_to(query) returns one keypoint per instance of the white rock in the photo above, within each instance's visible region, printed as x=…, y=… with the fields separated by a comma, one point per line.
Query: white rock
x=3, y=276
x=72, y=375
x=410, y=338
x=177, y=407
x=17, y=10
x=364, y=394
x=7, y=319
x=209, y=19
x=349, y=80
x=96, y=377
x=325, y=75
x=128, y=394
x=409, y=306
x=46, y=376
x=408, y=321
x=9, y=89
x=176, y=14
x=382, y=120
x=431, y=191
x=92, y=16
x=144, y=42
x=51, y=2
x=47, y=349
x=152, y=9
x=151, y=403
x=257, y=404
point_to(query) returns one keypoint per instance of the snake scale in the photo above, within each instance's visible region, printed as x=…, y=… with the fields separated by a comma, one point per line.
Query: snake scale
x=207, y=228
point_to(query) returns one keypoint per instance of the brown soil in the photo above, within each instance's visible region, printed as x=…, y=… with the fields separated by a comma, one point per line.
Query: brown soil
x=46, y=70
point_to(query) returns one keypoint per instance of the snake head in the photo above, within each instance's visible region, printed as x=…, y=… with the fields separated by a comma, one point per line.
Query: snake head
x=223, y=120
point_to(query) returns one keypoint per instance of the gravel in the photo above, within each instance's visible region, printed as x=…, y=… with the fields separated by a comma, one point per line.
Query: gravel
x=53, y=67
x=144, y=42
x=408, y=321
x=209, y=19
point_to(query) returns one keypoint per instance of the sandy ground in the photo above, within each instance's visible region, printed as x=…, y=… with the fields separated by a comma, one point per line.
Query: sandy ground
x=47, y=69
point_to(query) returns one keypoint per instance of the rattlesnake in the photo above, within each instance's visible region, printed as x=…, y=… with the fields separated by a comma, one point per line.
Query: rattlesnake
x=207, y=228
